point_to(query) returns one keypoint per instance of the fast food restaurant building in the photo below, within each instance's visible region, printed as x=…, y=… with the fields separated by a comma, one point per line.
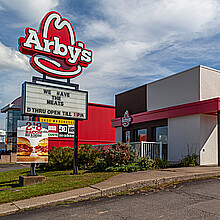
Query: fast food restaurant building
x=181, y=110
x=96, y=130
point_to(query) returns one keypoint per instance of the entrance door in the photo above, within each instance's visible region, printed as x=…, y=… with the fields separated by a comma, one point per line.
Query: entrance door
x=161, y=134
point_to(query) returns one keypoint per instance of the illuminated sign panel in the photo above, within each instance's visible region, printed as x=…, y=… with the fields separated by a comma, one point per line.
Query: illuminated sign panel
x=59, y=130
x=57, y=121
x=49, y=101
x=66, y=131
x=54, y=49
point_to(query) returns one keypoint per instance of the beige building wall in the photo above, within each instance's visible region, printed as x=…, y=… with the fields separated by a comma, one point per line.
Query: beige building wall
x=208, y=140
x=209, y=88
x=209, y=83
x=183, y=137
x=177, y=89
x=193, y=134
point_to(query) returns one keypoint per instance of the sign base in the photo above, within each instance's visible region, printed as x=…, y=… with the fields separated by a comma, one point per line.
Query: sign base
x=30, y=180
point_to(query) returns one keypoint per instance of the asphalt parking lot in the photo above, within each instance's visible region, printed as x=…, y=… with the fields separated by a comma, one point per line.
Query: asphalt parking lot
x=12, y=166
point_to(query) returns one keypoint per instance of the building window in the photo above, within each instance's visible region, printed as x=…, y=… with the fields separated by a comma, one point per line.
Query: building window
x=11, y=120
x=127, y=136
x=162, y=134
x=11, y=129
x=141, y=135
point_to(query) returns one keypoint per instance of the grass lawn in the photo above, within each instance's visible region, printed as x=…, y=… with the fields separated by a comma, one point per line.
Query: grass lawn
x=56, y=181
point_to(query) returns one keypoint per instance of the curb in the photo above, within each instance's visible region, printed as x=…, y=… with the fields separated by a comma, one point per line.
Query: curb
x=152, y=182
x=93, y=191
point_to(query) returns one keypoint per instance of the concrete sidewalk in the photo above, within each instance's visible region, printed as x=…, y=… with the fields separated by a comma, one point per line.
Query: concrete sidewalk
x=119, y=183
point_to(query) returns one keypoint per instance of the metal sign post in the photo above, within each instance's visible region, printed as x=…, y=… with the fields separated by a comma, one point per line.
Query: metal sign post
x=32, y=171
x=32, y=168
x=75, y=162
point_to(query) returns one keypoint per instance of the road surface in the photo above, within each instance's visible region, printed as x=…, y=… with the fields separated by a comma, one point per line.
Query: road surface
x=190, y=200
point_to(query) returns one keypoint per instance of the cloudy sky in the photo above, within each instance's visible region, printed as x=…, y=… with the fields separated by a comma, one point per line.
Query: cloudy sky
x=134, y=42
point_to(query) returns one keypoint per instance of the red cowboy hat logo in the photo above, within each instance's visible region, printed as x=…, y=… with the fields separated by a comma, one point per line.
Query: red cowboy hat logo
x=126, y=120
x=54, y=49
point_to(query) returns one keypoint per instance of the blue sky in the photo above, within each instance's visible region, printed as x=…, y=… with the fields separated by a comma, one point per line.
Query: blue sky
x=134, y=42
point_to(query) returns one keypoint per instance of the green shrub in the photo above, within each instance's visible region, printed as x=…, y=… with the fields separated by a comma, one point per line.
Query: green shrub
x=87, y=155
x=145, y=163
x=117, y=158
x=133, y=167
x=189, y=160
x=160, y=163
x=60, y=158
x=99, y=165
x=122, y=158
x=119, y=154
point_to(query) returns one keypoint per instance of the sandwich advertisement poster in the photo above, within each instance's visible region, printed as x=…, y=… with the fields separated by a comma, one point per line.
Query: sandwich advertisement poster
x=32, y=142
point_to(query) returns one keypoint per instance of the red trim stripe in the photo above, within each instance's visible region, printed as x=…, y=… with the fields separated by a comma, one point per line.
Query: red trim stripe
x=200, y=107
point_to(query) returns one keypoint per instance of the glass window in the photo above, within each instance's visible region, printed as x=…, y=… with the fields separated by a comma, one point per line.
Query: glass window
x=127, y=136
x=11, y=120
x=141, y=135
x=162, y=134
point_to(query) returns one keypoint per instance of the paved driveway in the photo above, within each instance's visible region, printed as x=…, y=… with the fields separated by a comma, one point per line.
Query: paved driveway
x=8, y=167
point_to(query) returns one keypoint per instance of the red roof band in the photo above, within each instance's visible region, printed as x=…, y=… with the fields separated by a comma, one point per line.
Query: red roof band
x=210, y=106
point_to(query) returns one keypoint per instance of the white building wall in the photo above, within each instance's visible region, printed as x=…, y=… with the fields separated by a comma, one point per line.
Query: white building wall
x=177, y=89
x=208, y=140
x=209, y=83
x=118, y=134
x=183, y=136
x=193, y=134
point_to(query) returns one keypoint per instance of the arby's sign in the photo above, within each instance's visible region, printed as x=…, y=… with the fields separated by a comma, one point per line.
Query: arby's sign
x=126, y=120
x=54, y=50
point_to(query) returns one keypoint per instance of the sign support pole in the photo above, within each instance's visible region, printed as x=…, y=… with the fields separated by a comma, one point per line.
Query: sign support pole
x=32, y=170
x=32, y=173
x=75, y=165
x=75, y=162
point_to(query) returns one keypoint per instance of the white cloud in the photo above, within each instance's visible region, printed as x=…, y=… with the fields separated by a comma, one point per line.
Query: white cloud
x=12, y=60
x=99, y=29
x=14, y=70
x=160, y=18
x=130, y=40
x=132, y=33
x=31, y=11
x=2, y=8
x=11, y=84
